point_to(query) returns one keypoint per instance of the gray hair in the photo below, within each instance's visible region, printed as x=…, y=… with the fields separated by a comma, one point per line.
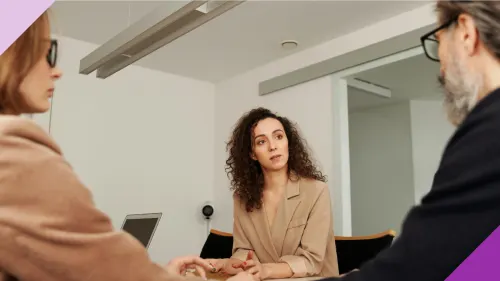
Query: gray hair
x=486, y=15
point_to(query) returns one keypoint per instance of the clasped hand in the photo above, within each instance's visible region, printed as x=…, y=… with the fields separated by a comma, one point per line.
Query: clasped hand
x=182, y=265
x=234, y=266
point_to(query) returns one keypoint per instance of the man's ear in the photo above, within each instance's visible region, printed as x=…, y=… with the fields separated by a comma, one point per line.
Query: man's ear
x=468, y=34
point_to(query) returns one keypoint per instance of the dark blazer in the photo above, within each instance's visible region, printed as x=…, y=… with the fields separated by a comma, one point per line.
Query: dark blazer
x=457, y=215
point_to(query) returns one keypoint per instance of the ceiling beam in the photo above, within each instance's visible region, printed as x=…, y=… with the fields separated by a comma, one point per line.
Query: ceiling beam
x=369, y=87
x=335, y=64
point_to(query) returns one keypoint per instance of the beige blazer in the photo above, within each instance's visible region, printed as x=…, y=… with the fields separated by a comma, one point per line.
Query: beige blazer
x=301, y=235
x=50, y=229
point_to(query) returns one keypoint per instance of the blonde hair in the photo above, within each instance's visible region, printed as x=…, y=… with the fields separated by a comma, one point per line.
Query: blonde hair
x=17, y=61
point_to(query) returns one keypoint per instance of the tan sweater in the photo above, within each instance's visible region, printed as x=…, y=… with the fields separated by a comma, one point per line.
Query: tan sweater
x=49, y=227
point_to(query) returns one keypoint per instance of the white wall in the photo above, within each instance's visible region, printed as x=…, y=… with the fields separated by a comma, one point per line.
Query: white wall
x=308, y=104
x=430, y=134
x=395, y=151
x=381, y=168
x=143, y=142
x=143, y=135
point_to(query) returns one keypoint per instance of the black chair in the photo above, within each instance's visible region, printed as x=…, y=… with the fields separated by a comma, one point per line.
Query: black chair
x=353, y=252
x=219, y=245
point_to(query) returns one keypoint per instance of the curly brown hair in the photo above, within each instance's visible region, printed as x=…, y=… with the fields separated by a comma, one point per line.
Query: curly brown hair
x=246, y=174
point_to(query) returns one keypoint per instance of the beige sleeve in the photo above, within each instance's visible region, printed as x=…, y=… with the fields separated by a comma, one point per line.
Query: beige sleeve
x=241, y=245
x=50, y=229
x=308, y=260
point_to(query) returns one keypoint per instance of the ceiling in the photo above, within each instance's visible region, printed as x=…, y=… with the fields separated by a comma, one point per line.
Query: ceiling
x=242, y=39
x=414, y=78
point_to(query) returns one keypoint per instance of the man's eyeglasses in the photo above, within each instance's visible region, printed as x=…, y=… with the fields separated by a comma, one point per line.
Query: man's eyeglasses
x=431, y=44
x=52, y=54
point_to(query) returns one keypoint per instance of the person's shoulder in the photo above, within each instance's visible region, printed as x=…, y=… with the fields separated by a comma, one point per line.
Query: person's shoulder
x=479, y=131
x=29, y=153
x=25, y=141
x=15, y=130
x=238, y=202
x=313, y=187
x=482, y=120
x=471, y=159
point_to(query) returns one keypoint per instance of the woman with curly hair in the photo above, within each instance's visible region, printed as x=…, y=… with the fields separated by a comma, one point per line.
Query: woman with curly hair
x=283, y=224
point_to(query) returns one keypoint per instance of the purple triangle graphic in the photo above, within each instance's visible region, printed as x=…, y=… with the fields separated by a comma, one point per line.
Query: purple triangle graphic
x=483, y=264
x=18, y=15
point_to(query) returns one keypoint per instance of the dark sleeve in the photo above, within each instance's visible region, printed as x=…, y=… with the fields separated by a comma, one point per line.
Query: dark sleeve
x=460, y=212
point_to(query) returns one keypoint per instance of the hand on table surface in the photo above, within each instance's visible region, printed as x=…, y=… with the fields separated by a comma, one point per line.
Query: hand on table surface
x=181, y=265
x=234, y=266
x=243, y=276
x=258, y=270
x=217, y=264
x=253, y=267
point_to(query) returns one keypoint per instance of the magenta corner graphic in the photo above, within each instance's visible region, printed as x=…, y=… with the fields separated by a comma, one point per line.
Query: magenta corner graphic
x=483, y=264
x=16, y=16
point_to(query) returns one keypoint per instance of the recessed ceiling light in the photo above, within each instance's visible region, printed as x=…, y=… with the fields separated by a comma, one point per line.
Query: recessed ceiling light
x=289, y=44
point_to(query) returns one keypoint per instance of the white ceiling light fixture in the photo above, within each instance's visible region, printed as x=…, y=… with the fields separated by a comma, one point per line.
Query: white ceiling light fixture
x=289, y=44
x=162, y=26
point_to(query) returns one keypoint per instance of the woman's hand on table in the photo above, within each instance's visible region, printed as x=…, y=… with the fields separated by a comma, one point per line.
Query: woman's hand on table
x=183, y=265
x=217, y=264
x=234, y=266
x=253, y=267
x=243, y=276
x=256, y=269
x=229, y=266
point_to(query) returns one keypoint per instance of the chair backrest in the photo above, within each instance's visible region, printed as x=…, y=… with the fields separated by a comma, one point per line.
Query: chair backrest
x=219, y=245
x=353, y=252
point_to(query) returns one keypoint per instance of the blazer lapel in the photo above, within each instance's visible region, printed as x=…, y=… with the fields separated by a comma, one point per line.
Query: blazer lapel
x=285, y=214
x=260, y=221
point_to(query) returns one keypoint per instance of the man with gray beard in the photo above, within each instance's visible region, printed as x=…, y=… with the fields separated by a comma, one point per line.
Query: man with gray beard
x=463, y=207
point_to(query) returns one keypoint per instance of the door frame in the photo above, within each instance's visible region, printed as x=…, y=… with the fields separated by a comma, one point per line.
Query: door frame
x=340, y=114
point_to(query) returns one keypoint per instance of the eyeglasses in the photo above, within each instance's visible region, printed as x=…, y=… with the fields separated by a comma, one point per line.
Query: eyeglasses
x=431, y=44
x=52, y=54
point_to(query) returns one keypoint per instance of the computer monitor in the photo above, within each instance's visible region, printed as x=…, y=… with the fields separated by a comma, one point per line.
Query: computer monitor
x=142, y=226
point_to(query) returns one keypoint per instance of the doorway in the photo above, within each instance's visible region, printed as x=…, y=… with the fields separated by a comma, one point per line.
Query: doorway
x=395, y=130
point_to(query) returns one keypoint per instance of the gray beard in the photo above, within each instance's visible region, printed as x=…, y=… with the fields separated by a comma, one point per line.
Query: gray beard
x=461, y=89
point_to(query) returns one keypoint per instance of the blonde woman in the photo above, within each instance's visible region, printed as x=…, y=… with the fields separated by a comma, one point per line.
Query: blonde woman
x=49, y=226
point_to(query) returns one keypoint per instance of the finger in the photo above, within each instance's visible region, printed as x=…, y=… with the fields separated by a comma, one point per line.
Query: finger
x=192, y=272
x=195, y=260
x=248, y=264
x=250, y=255
x=238, y=265
x=182, y=269
x=233, y=271
x=215, y=266
x=190, y=268
x=201, y=272
x=216, y=263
